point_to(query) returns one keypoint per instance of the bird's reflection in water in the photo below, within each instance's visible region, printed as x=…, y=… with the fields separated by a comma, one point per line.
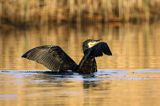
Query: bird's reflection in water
x=64, y=80
x=89, y=84
x=57, y=89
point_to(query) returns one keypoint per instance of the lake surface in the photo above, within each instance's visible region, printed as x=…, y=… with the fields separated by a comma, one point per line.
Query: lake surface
x=106, y=88
x=130, y=77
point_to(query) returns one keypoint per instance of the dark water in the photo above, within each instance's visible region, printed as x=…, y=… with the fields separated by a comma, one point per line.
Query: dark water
x=130, y=77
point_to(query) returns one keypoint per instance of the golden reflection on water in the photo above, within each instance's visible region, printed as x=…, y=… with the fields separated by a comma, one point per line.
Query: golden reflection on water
x=19, y=89
x=133, y=46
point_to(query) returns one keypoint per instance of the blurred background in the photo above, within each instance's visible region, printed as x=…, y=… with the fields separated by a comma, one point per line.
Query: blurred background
x=130, y=27
x=29, y=12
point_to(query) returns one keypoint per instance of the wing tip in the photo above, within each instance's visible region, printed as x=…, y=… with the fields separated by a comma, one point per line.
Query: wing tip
x=109, y=54
x=108, y=50
x=24, y=55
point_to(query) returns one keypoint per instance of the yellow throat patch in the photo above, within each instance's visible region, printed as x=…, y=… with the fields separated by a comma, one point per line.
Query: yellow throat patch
x=91, y=44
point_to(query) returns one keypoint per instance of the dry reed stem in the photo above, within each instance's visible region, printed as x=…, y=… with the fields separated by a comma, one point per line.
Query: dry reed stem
x=78, y=11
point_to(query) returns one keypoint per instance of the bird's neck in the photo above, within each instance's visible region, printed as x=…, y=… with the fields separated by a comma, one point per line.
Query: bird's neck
x=87, y=65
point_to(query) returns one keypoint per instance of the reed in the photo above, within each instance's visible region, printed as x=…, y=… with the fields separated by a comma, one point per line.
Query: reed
x=37, y=12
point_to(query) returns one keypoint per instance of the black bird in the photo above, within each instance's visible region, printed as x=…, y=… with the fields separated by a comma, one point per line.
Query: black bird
x=55, y=59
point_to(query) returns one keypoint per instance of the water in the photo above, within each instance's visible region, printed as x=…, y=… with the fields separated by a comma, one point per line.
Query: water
x=130, y=77
x=107, y=87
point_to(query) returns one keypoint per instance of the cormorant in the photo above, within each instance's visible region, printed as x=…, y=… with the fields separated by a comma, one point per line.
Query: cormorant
x=55, y=59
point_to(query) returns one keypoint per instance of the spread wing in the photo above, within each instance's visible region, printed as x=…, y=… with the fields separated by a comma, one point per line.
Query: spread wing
x=99, y=49
x=88, y=63
x=53, y=57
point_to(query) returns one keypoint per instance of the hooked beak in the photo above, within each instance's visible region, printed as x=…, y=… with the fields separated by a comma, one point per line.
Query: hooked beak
x=98, y=40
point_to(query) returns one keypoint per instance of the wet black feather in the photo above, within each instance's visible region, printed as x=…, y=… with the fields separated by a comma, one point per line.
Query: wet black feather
x=53, y=57
x=88, y=63
x=99, y=49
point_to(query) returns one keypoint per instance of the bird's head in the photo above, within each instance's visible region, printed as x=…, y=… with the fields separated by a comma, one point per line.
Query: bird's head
x=89, y=44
